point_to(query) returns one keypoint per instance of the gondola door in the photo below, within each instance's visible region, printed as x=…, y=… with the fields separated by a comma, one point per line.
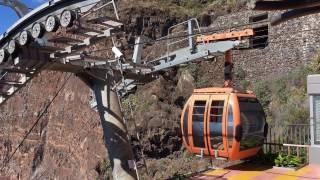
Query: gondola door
x=216, y=126
x=197, y=126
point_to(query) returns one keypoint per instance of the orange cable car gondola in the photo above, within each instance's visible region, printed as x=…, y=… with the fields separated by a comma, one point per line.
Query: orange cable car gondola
x=223, y=123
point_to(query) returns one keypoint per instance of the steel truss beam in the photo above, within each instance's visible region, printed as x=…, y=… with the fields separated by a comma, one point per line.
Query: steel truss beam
x=37, y=52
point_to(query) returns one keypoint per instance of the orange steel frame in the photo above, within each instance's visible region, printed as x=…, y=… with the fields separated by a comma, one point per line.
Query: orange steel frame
x=229, y=97
x=224, y=36
x=224, y=152
x=228, y=55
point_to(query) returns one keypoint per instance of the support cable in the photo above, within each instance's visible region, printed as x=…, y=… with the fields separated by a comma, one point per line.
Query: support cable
x=36, y=122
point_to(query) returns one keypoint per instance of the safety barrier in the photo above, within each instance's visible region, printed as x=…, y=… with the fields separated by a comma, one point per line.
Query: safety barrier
x=293, y=139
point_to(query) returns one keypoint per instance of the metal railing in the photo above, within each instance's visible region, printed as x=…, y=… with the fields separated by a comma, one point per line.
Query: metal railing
x=192, y=25
x=297, y=149
x=291, y=139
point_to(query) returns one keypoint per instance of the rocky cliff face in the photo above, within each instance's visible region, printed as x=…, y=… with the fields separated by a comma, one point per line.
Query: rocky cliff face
x=68, y=141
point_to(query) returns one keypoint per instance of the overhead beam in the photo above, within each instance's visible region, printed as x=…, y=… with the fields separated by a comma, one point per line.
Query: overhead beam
x=282, y=5
x=294, y=14
x=183, y=56
x=225, y=36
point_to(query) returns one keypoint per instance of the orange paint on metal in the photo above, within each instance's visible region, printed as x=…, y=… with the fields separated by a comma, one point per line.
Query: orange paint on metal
x=224, y=36
x=214, y=90
x=210, y=108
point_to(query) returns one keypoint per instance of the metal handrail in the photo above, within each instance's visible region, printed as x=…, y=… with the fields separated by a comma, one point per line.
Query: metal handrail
x=104, y=5
x=169, y=44
x=297, y=146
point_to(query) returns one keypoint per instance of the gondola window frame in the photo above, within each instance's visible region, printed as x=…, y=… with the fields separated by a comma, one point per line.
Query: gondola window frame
x=215, y=118
x=186, y=125
x=230, y=125
x=198, y=132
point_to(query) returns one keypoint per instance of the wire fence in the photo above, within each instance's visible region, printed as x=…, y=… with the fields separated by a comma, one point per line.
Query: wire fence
x=291, y=139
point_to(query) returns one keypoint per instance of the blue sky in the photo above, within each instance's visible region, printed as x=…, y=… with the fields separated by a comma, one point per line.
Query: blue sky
x=8, y=16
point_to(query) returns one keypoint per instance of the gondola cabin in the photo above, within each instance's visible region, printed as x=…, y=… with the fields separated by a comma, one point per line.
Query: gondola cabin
x=223, y=123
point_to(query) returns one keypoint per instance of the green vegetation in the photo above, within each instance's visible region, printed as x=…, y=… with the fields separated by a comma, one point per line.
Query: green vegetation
x=245, y=84
x=285, y=98
x=187, y=155
x=287, y=161
x=130, y=103
x=133, y=102
x=278, y=159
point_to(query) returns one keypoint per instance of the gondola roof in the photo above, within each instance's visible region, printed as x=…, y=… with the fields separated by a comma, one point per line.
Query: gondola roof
x=214, y=90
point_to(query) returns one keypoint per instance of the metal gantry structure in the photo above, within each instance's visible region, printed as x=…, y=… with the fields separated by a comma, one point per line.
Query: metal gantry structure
x=295, y=8
x=31, y=44
x=59, y=36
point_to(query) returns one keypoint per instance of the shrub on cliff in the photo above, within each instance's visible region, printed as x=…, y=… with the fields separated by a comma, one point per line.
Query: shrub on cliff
x=285, y=98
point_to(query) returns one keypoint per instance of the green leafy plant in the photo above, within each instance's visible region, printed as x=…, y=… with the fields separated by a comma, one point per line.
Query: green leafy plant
x=263, y=92
x=287, y=161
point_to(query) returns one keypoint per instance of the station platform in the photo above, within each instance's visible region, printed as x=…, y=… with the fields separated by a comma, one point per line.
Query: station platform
x=256, y=172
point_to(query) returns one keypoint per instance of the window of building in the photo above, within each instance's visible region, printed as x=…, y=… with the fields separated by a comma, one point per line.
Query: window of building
x=261, y=32
x=260, y=38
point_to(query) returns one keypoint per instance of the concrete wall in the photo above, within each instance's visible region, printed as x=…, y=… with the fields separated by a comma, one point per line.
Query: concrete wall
x=313, y=92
